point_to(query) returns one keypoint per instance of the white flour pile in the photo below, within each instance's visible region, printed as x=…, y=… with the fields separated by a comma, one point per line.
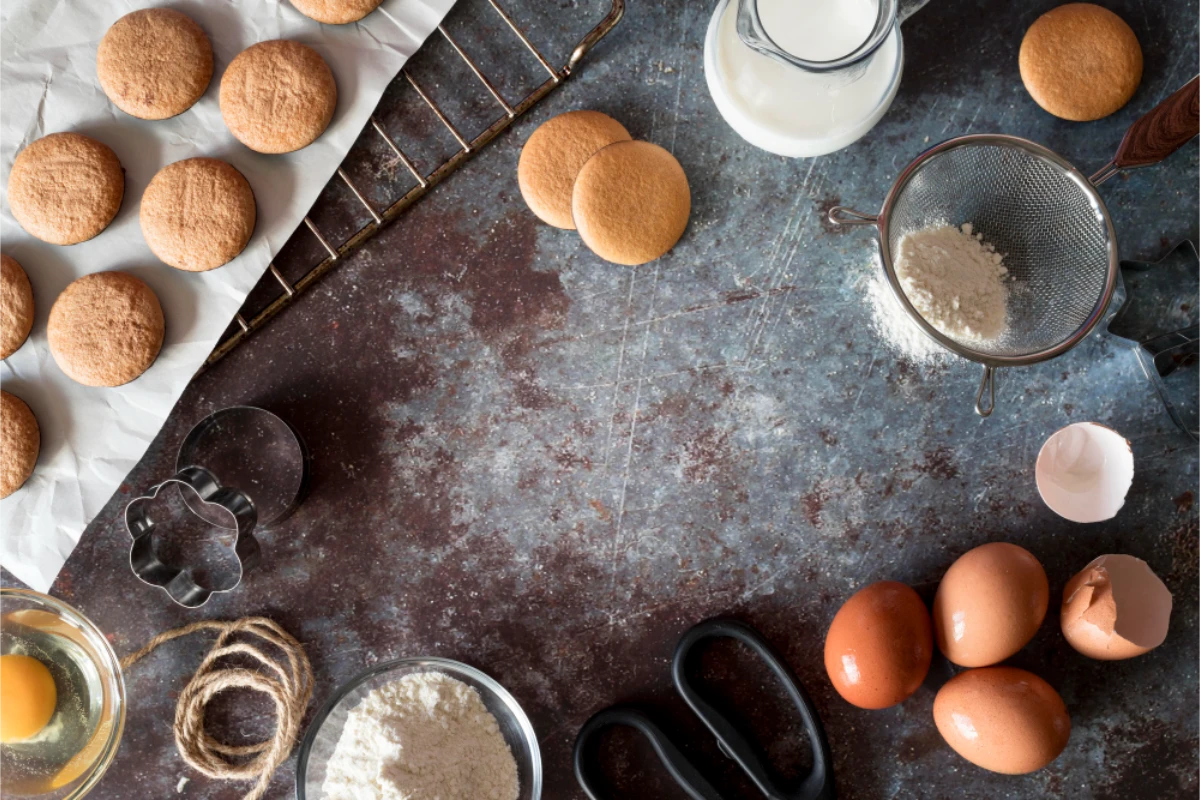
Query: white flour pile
x=896, y=328
x=426, y=736
x=955, y=280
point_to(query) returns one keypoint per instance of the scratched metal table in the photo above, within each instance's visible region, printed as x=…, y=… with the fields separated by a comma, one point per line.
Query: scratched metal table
x=550, y=467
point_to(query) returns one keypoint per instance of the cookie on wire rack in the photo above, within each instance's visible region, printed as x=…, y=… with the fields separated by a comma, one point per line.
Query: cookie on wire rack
x=16, y=306
x=106, y=329
x=65, y=188
x=277, y=96
x=198, y=214
x=154, y=63
x=20, y=443
x=336, y=12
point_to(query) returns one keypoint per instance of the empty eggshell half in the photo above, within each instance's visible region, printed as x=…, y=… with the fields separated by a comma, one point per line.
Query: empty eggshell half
x=1115, y=608
x=1084, y=472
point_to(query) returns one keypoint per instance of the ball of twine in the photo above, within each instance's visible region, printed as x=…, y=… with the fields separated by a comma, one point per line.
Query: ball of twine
x=290, y=689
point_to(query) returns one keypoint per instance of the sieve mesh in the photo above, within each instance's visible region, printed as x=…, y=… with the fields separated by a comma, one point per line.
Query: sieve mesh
x=1053, y=233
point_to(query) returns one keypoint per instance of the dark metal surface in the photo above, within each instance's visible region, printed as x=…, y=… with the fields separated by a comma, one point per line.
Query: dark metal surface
x=550, y=467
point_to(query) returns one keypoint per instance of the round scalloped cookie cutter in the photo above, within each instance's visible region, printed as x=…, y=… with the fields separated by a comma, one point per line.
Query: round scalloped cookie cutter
x=254, y=450
x=238, y=468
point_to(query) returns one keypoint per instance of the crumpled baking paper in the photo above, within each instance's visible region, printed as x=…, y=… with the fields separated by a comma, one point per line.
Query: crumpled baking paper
x=92, y=438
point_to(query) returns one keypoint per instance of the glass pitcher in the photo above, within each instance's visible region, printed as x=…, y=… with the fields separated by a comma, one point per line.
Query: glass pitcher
x=850, y=65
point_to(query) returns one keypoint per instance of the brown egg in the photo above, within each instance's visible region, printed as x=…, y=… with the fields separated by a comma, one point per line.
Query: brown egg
x=1003, y=719
x=879, y=645
x=989, y=604
x=1115, y=608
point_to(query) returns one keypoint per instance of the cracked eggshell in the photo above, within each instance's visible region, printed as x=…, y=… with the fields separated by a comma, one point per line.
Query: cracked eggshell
x=1115, y=608
x=1084, y=472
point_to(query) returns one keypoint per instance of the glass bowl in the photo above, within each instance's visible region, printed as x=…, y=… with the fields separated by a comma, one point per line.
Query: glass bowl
x=69, y=756
x=326, y=727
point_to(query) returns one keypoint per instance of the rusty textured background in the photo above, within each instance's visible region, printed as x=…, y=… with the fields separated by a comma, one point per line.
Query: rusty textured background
x=550, y=467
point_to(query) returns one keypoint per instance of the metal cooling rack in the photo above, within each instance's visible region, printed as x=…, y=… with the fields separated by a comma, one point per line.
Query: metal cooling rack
x=247, y=323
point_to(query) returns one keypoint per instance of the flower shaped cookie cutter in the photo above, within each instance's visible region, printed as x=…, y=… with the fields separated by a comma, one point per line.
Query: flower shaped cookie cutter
x=179, y=582
x=1169, y=354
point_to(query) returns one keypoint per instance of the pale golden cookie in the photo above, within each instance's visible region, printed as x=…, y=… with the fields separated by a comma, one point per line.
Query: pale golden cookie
x=154, y=63
x=631, y=202
x=277, y=96
x=336, y=12
x=16, y=306
x=553, y=156
x=1080, y=62
x=198, y=214
x=65, y=188
x=106, y=329
x=20, y=442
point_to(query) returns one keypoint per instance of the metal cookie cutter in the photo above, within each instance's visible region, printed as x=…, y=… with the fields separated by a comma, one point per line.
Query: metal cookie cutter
x=254, y=450
x=236, y=468
x=816, y=785
x=179, y=583
x=1160, y=354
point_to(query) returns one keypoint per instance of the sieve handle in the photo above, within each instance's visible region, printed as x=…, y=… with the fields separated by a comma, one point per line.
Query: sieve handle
x=840, y=215
x=988, y=386
x=1167, y=127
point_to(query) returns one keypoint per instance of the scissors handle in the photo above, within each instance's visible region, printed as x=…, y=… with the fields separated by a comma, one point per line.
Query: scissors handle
x=677, y=765
x=818, y=784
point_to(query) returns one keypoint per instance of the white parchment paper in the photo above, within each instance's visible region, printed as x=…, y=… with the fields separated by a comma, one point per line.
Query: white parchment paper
x=91, y=438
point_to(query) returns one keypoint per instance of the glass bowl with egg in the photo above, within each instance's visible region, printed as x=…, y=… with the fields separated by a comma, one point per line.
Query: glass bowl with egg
x=62, y=698
x=339, y=725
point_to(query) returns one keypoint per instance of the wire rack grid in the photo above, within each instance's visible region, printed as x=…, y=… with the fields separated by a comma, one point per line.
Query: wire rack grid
x=246, y=323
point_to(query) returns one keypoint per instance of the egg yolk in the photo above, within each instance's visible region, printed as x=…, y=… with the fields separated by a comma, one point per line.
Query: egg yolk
x=27, y=697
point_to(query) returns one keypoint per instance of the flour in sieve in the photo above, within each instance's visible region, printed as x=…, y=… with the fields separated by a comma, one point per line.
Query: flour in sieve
x=955, y=280
x=896, y=328
x=425, y=736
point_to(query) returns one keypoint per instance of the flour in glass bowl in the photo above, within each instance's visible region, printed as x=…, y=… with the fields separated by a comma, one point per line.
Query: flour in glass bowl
x=955, y=280
x=425, y=736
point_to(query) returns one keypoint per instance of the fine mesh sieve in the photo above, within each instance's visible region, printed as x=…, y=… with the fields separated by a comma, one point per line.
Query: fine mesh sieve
x=1042, y=214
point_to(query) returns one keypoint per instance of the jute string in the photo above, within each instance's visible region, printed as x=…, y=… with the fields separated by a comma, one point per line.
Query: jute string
x=290, y=690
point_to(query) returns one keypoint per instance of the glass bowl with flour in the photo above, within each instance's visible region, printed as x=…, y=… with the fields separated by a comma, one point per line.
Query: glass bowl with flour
x=797, y=112
x=420, y=728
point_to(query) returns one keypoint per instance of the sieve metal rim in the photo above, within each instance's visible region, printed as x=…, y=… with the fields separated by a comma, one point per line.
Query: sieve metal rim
x=1047, y=155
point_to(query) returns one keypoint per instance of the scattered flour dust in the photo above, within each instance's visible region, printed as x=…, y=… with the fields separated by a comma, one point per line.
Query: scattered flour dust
x=955, y=280
x=895, y=327
x=425, y=736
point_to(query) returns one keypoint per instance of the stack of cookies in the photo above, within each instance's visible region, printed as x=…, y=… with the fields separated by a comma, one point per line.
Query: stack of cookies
x=628, y=199
x=107, y=328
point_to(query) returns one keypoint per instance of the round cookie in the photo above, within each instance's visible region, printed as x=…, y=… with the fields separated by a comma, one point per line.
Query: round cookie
x=154, y=63
x=554, y=154
x=336, y=12
x=16, y=306
x=1080, y=62
x=198, y=214
x=106, y=329
x=20, y=442
x=631, y=202
x=277, y=96
x=65, y=188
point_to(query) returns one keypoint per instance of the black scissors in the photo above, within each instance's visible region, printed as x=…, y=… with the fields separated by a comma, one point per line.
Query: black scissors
x=817, y=785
